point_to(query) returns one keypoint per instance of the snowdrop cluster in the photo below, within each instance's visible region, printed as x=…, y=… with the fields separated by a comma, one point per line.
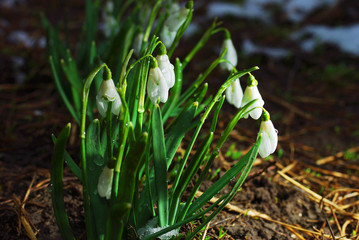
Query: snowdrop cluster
x=236, y=97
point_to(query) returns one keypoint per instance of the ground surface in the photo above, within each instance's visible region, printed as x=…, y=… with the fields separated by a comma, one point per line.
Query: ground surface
x=308, y=189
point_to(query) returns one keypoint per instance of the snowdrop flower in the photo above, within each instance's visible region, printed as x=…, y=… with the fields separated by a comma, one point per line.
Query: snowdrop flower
x=108, y=93
x=269, y=136
x=137, y=43
x=157, y=87
x=234, y=93
x=104, y=185
x=230, y=55
x=250, y=94
x=164, y=64
x=173, y=23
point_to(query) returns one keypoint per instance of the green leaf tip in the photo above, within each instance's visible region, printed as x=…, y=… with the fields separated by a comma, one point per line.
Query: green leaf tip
x=189, y=5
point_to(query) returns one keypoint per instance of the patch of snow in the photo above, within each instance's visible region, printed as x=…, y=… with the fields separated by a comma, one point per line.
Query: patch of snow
x=22, y=37
x=296, y=10
x=248, y=48
x=345, y=37
x=151, y=228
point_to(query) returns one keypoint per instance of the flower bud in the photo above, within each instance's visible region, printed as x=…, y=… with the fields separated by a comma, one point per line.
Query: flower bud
x=108, y=93
x=104, y=185
x=269, y=136
x=234, y=93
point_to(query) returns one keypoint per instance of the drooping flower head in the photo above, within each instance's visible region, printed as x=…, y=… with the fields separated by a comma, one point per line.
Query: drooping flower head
x=106, y=94
x=157, y=87
x=269, y=136
x=250, y=94
x=175, y=20
x=230, y=55
x=234, y=93
x=104, y=185
x=164, y=64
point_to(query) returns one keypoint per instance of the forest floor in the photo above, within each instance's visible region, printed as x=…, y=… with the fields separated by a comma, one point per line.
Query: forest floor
x=308, y=189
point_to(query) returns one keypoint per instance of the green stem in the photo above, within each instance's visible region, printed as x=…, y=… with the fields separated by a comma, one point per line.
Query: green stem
x=151, y=21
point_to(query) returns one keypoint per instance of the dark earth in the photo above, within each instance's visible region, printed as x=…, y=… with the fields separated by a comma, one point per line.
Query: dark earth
x=312, y=98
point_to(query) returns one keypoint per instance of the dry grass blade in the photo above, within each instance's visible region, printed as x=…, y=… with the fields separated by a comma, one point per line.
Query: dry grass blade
x=338, y=155
x=319, y=199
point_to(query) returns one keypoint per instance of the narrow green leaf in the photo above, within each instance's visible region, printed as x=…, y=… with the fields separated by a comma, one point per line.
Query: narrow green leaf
x=177, y=130
x=70, y=162
x=57, y=167
x=62, y=92
x=159, y=156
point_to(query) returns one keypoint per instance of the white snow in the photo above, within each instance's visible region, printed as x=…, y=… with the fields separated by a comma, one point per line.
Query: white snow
x=248, y=48
x=345, y=37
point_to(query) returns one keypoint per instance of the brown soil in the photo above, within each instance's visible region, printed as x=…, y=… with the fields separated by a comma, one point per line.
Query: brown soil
x=312, y=98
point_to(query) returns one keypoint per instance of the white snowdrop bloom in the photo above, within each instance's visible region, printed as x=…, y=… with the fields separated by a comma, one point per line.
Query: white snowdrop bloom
x=108, y=93
x=269, y=137
x=167, y=69
x=157, y=88
x=250, y=94
x=234, y=93
x=167, y=37
x=104, y=185
x=173, y=24
x=230, y=55
x=176, y=19
x=137, y=43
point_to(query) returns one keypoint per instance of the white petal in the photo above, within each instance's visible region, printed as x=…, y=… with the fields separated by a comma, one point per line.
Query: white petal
x=176, y=19
x=250, y=94
x=234, y=93
x=101, y=105
x=167, y=69
x=231, y=55
x=157, y=86
x=269, y=138
x=167, y=37
x=104, y=185
x=265, y=146
x=108, y=90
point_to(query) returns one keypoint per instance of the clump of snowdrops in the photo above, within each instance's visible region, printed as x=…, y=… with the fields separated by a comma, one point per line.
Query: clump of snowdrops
x=124, y=91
